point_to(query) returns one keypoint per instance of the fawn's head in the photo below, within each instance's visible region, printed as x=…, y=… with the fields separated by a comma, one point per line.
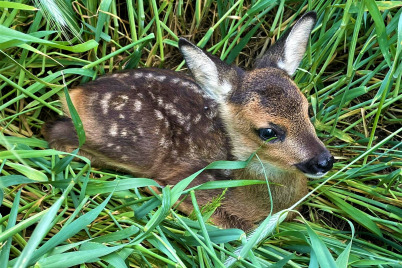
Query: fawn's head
x=265, y=103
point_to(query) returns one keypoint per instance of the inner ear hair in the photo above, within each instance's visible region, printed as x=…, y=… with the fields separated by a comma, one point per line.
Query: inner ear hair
x=296, y=43
x=201, y=66
x=213, y=75
x=289, y=50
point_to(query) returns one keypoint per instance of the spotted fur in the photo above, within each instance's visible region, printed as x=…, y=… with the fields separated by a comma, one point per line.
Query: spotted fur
x=165, y=125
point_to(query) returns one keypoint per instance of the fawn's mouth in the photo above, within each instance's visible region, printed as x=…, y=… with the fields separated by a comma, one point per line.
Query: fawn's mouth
x=315, y=176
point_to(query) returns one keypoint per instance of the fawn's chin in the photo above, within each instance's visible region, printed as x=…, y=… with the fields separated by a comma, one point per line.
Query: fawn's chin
x=315, y=176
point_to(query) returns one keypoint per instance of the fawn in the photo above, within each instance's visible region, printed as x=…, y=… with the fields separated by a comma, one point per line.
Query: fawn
x=165, y=125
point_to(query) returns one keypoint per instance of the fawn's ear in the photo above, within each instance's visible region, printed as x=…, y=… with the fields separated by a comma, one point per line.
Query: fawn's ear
x=288, y=51
x=213, y=75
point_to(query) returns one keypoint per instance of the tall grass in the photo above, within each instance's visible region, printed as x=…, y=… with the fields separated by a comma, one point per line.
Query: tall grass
x=59, y=212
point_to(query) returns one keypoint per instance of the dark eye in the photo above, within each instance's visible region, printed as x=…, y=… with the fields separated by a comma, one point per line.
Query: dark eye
x=266, y=133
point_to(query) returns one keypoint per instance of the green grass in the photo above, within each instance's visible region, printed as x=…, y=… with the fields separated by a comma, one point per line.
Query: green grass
x=58, y=212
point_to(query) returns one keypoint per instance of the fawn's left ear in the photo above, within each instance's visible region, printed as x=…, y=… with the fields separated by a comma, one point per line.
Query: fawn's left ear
x=214, y=76
x=288, y=51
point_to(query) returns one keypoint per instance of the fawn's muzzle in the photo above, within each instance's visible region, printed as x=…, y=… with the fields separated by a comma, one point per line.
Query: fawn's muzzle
x=317, y=166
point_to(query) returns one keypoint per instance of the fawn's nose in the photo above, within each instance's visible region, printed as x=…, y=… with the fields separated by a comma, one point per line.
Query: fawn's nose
x=318, y=165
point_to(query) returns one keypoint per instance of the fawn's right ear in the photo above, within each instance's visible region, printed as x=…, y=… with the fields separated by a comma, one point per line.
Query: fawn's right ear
x=213, y=75
x=288, y=51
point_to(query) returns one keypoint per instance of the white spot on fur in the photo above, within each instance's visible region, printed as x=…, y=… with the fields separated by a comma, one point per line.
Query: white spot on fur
x=140, y=131
x=162, y=141
x=180, y=119
x=158, y=114
x=113, y=130
x=197, y=118
x=137, y=105
x=195, y=87
x=175, y=80
x=160, y=78
x=210, y=177
x=169, y=107
x=149, y=76
x=110, y=145
x=209, y=128
x=120, y=106
x=121, y=116
x=138, y=75
x=94, y=97
x=105, y=102
x=132, y=87
x=185, y=84
x=193, y=152
x=160, y=101
x=187, y=127
x=227, y=172
x=124, y=132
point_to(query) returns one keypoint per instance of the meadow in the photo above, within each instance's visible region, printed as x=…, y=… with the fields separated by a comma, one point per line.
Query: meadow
x=59, y=211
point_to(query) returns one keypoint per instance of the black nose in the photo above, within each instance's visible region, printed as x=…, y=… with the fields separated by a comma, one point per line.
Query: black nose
x=317, y=165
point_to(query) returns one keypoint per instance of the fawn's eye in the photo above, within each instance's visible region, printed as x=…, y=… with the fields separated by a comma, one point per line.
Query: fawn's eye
x=266, y=133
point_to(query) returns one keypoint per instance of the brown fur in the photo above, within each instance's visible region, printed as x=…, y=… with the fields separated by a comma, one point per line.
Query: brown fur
x=163, y=125
x=181, y=156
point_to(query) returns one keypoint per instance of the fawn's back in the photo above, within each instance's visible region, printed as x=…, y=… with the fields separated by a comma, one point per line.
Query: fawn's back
x=165, y=125
x=150, y=122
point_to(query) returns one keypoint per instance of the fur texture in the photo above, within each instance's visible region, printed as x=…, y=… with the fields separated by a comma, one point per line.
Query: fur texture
x=166, y=126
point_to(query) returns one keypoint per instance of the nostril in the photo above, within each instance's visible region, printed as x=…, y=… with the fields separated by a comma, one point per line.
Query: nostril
x=323, y=163
x=326, y=163
x=317, y=165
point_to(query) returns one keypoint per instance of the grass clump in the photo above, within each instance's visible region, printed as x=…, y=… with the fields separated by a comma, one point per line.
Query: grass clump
x=59, y=212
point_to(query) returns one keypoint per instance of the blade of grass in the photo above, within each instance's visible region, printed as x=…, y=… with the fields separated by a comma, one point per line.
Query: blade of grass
x=5, y=250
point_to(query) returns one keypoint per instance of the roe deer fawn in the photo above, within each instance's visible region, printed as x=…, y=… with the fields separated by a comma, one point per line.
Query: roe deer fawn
x=165, y=125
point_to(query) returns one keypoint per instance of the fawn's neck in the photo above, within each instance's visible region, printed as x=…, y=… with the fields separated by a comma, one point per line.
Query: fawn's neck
x=285, y=186
x=252, y=203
